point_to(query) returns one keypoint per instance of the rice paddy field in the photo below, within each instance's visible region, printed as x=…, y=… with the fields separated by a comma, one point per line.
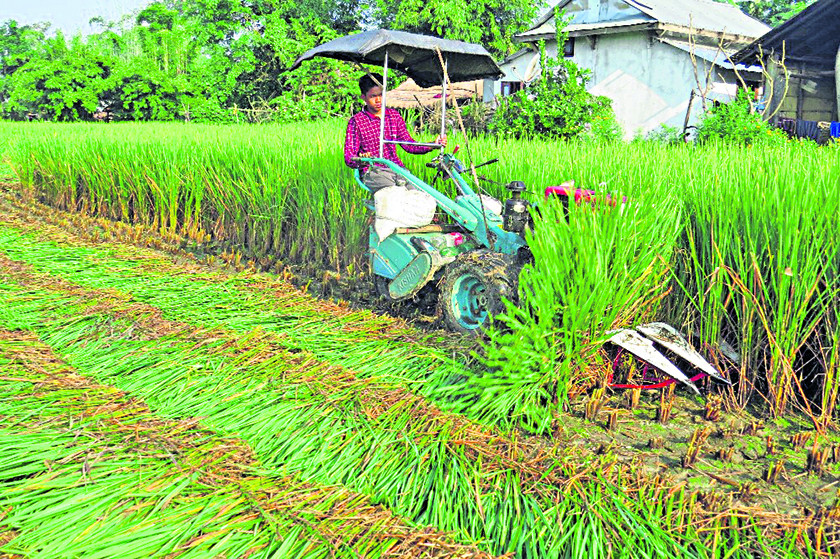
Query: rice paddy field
x=172, y=384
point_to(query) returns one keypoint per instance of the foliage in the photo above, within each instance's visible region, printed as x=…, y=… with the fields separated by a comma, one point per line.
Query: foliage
x=492, y=23
x=557, y=105
x=771, y=12
x=736, y=122
x=64, y=83
x=208, y=59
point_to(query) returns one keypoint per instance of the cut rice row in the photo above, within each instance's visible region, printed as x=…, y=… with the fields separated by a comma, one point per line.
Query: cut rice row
x=89, y=471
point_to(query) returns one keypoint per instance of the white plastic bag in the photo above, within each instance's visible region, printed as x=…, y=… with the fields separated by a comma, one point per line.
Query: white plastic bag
x=397, y=206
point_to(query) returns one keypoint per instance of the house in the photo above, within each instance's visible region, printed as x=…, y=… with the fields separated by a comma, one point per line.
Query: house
x=802, y=61
x=660, y=61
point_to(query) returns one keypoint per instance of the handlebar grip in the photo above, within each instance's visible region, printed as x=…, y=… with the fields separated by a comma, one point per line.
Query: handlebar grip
x=495, y=160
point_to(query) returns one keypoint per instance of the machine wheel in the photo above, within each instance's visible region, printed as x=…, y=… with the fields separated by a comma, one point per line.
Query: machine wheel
x=472, y=289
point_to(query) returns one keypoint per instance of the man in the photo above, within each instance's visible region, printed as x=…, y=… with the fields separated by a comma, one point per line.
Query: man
x=362, y=138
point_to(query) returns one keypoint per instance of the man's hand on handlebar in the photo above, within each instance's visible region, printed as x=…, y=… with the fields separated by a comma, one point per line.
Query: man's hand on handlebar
x=441, y=140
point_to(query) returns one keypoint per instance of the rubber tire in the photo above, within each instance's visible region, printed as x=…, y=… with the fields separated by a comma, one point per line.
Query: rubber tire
x=495, y=273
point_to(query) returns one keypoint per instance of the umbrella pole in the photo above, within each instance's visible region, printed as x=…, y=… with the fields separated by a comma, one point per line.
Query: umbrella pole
x=443, y=103
x=384, y=107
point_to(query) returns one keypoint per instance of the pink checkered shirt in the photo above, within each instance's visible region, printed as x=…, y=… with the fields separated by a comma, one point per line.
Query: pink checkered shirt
x=363, y=136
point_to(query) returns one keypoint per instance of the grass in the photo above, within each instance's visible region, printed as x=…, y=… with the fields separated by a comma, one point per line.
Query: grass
x=734, y=244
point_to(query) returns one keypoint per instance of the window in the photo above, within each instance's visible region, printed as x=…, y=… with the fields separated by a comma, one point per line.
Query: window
x=509, y=88
x=569, y=47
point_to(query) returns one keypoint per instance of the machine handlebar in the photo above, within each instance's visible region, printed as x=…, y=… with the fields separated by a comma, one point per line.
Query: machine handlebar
x=494, y=160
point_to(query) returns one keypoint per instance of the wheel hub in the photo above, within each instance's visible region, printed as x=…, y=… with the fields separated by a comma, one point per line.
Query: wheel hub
x=470, y=301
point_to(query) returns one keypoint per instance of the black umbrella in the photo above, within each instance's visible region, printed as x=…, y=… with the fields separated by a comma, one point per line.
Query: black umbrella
x=413, y=54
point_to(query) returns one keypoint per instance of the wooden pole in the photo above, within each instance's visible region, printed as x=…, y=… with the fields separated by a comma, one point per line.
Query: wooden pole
x=384, y=107
x=443, y=102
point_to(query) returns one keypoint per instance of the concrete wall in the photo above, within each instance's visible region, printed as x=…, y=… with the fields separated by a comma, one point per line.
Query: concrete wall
x=649, y=82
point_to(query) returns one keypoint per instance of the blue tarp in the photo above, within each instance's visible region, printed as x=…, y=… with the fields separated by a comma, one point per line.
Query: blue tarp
x=835, y=129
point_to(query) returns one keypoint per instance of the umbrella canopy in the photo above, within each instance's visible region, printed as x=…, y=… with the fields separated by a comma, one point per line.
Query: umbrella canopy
x=410, y=53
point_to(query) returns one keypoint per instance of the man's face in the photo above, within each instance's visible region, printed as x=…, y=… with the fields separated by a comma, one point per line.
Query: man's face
x=373, y=99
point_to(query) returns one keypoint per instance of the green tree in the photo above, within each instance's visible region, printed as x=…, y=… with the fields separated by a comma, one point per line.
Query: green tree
x=61, y=82
x=18, y=44
x=248, y=46
x=492, y=23
x=771, y=12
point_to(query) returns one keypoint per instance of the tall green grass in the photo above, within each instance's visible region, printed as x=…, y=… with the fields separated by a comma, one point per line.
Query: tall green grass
x=747, y=237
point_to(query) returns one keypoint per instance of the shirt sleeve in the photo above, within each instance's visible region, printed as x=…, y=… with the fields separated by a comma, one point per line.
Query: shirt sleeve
x=401, y=133
x=351, y=144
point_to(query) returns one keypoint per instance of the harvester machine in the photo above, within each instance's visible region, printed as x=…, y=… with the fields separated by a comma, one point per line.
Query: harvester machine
x=474, y=260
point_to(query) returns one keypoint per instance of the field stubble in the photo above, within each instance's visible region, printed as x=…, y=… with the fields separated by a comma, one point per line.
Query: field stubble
x=739, y=259
x=99, y=340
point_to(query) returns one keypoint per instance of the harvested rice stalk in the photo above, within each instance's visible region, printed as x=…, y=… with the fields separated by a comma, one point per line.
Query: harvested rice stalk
x=210, y=475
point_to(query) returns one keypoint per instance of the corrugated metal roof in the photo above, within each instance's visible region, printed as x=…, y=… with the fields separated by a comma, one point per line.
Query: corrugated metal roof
x=812, y=35
x=704, y=15
x=721, y=58
x=548, y=27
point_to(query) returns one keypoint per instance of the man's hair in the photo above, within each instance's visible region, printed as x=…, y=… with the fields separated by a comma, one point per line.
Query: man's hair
x=369, y=81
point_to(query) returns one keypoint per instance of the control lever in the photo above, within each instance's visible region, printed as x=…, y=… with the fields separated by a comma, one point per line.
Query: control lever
x=495, y=160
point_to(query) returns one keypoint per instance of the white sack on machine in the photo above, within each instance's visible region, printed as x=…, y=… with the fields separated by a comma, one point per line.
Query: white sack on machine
x=488, y=203
x=397, y=206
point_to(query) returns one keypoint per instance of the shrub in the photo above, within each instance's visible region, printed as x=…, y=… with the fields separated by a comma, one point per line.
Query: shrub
x=665, y=134
x=557, y=105
x=737, y=123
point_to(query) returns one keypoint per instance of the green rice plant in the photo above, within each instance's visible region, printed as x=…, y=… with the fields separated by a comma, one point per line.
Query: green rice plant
x=596, y=268
x=755, y=264
x=319, y=431
x=268, y=193
x=87, y=470
x=763, y=264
